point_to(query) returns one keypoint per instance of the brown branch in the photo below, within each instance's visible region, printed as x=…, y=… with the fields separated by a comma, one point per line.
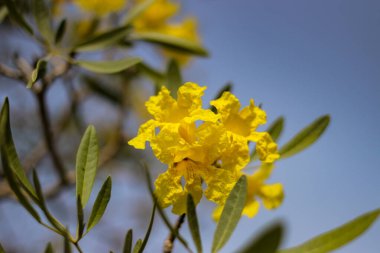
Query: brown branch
x=11, y=73
x=168, y=243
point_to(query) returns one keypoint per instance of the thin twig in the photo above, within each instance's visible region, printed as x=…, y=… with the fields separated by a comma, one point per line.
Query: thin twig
x=11, y=73
x=168, y=243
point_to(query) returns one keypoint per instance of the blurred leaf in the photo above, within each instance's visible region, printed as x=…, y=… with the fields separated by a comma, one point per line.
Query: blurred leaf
x=3, y=15
x=17, y=17
x=100, y=204
x=67, y=245
x=147, y=234
x=42, y=204
x=9, y=151
x=137, y=246
x=151, y=72
x=99, y=88
x=86, y=164
x=80, y=218
x=227, y=87
x=128, y=242
x=103, y=40
x=231, y=214
x=174, y=77
x=275, y=131
x=49, y=248
x=43, y=19
x=337, y=237
x=305, y=137
x=161, y=212
x=136, y=10
x=60, y=31
x=267, y=242
x=38, y=73
x=109, y=67
x=1, y=249
x=171, y=42
x=193, y=223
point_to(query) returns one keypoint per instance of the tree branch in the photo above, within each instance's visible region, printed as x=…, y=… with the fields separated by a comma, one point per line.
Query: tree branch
x=168, y=243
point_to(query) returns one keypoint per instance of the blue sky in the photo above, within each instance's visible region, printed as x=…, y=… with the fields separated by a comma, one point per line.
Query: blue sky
x=303, y=59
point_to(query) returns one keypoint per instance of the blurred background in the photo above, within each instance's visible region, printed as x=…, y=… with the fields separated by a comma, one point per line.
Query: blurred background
x=300, y=59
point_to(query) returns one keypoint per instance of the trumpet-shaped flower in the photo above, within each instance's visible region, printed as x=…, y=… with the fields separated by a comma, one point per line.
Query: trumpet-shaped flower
x=100, y=7
x=242, y=125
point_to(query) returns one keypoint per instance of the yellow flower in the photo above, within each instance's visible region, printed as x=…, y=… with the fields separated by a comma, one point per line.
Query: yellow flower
x=156, y=15
x=170, y=112
x=271, y=195
x=100, y=7
x=242, y=125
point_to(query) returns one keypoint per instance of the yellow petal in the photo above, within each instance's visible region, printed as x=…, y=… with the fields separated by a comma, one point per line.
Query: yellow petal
x=251, y=208
x=145, y=133
x=167, y=143
x=168, y=188
x=226, y=105
x=217, y=213
x=219, y=184
x=266, y=148
x=190, y=96
x=272, y=195
x=159, y=106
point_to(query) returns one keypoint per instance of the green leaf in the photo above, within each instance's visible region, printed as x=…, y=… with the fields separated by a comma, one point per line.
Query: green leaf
x=267, y=242
x=103, y=40
x=86, y=164
x=80, y=219
x=275, y=131
x=9, y=151
x=231, y=214
x=136, y=10
x=338, y=237
x=67, y=245
x=60, y=31
x=1, y=249
x=170, y=42
x=227, y=87
x=174, y=77
x=3, y=15
x=49, y=248
x=137, y=246
x=100, y=205
x=193, y=223
x=38, y=73
x=42, y=204
x=305, y=137
x=128, y=242
x=109, y=67
x=146, y=238
x=43, y=19
x=17, y=17
x=161, y=212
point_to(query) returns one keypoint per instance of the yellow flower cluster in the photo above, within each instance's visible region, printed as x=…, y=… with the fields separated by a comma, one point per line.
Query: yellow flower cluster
x=100, y=7
x=199, y=146
x=156, y=19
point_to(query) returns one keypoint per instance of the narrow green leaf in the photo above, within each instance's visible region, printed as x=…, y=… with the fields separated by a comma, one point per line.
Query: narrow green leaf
x=103, y=40
x=86, y=164
x=337, y=237
x=227, y=87
x=38, y=72
x=80, y=219
x=170, y=42
x=9, y=150
x=128, y=242
x=147, y=234
x=67, y=245
x=231, y=214
x=42, y=204
x=49, y=248
x=137, y=246
x=136, y=10
x=101, y=203
x=43, y=19
x=267, y=242
x=161, y=212
x=109, y=67
x=16, y=188
x=60, y=31
x=305, y=137
x=16, y=16
x=3, y=15
x=275, y=131
x=174, y=77
x=193, y=223
x=2, y=250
